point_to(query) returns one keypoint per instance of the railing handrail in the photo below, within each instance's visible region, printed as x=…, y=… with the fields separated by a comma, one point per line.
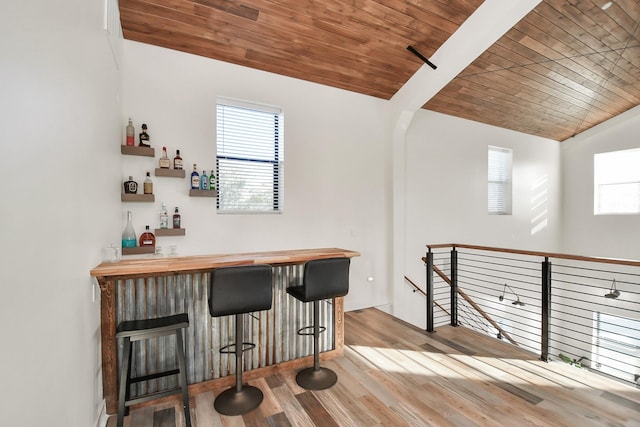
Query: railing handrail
x=603, y=260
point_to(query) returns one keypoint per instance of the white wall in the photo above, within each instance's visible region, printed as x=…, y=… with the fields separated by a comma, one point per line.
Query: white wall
x=60, y=117
x=584, y=233
x=446, y=196
x=336, y=172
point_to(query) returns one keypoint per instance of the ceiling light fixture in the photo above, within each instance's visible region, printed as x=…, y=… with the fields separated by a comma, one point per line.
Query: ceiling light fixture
x=419, y=55
x=607, y=5
x=517, y=301
x=613, y=292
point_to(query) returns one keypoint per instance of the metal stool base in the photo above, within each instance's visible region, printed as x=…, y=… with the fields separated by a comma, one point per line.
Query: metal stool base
x=310, y=379
x=233, y=402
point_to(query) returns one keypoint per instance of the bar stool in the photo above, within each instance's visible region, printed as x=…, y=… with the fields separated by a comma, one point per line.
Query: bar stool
x=136, y=330
x=235, y=291
x=322, y=279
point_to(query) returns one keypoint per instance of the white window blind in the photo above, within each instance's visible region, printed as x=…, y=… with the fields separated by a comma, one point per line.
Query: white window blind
x=249, y=157
x=616, y=182
x=499, y=180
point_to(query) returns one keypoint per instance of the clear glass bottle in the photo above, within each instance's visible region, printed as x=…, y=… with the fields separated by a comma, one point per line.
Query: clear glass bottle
x=147, y=238
x=164, y=217
x=129, y=235
x=177, y=160
x=147, y=185
x=176, y=219
x=195, y=178
x=130, y=186
x=204, y=181
x=130, y=133
x=164, y=161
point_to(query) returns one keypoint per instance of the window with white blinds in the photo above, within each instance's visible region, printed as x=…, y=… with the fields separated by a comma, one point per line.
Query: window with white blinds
x=499, y=180
x=249, y=157
x=616, y=182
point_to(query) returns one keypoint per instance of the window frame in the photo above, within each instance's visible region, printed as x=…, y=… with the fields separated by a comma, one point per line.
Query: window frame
x=277, y=161
x=504, y=182
x=616, y=177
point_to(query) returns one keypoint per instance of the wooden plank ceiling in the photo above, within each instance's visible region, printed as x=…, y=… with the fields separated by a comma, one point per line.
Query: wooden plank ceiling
x=565, y=67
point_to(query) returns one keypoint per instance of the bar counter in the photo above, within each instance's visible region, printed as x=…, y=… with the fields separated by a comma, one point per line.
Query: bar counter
x=151, y=287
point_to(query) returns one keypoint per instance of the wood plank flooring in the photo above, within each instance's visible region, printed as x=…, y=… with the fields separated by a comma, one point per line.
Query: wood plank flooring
x=393, y=374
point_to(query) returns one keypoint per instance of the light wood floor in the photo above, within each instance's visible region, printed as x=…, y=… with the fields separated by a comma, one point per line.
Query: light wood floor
x=393, y=374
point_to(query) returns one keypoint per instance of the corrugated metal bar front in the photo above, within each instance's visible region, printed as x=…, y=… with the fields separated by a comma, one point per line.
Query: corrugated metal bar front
x=273, y=331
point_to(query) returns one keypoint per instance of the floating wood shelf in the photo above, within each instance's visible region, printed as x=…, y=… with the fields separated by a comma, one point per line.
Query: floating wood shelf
x=171, y=173
x=132, y=150
x=139, y=250
x=203, y=193
x=169, y=232
x=137, y=197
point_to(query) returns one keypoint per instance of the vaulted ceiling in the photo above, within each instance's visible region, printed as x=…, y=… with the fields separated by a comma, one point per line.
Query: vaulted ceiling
x=565, y=67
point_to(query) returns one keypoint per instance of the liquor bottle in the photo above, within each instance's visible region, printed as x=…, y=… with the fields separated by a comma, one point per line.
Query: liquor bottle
x=212, y=181
x=129, y=235
x=147, y=238
x=204, y=181
x=130, y=186
x=147, y=186
x=165, y=163
x=177, y=160
x=164, y=217
x=176, y=219
x=144, y=137
x=195, y=179
x=130, y=132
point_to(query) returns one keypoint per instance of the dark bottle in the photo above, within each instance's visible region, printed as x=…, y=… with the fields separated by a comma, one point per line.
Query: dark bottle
x=130, y=186
x=147, y=238
x=177, y=160
x=144, y=137
x=176, y=219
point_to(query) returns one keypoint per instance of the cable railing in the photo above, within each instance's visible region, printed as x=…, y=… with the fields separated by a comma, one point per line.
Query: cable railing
x=581, y=310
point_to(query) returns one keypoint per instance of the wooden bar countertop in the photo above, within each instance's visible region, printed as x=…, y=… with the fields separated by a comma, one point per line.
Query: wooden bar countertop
x=161, y=266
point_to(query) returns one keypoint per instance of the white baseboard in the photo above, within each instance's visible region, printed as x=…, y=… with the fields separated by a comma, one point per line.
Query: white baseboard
x=102, y=417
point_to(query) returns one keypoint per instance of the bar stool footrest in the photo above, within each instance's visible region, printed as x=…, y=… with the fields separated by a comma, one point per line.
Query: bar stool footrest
x=246, y=346
x=321, y=329
x=154, y=376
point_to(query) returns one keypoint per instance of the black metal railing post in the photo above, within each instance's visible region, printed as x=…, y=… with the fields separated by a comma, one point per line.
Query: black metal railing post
x=546, y=309
x=454, y=287
x=430, y=325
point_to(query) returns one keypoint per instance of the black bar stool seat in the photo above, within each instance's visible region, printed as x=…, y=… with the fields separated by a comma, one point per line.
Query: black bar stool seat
x=235, y=291
x=322, y=279
x=136, y=330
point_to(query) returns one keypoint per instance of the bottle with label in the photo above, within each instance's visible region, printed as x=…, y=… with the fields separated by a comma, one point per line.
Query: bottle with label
x=195, y=179
x=177, y=160
x=176, y=219
x=130, y=186
x=144, y=137
x=164, y=217
x=204, y=181
x=130, y=132
x=165, y=163
x=147, y=238
x=129, y=235
x=147, y=185
x=212, y=181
